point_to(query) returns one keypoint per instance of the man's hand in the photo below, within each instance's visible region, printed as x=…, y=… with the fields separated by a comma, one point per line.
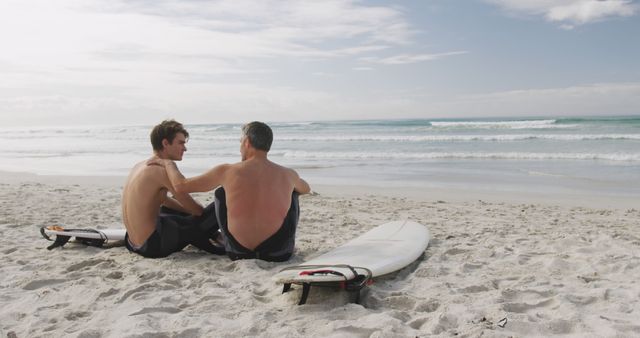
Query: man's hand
x=158, y=161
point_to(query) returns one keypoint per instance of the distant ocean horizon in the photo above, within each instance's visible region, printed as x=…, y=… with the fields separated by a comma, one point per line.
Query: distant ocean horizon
x=589, y=155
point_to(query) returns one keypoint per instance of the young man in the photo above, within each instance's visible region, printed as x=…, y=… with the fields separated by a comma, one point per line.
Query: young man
x=257, y=203
x=158, y=224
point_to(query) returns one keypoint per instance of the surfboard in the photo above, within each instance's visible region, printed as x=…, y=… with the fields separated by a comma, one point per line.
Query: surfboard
x=384, y=249
x=92, y=237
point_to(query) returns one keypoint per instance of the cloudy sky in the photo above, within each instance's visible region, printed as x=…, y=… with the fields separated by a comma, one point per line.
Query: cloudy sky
x=138, y=61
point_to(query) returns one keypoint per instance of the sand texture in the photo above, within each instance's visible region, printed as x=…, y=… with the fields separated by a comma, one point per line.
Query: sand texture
x=548, y=269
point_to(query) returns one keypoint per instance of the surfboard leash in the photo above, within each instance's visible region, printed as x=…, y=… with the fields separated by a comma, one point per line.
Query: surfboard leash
x=353, y=285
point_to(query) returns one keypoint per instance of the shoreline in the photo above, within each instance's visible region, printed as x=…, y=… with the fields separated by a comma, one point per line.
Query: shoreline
x=418, y=193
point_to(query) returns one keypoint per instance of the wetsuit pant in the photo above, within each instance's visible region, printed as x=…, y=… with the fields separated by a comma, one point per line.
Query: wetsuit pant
x=277, y=248
x=175, y=230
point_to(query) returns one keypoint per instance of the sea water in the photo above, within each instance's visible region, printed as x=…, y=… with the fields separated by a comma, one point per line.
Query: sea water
x=591, y=155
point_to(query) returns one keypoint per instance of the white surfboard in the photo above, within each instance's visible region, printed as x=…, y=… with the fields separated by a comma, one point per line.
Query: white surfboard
x=382, y=250
x=93, y=237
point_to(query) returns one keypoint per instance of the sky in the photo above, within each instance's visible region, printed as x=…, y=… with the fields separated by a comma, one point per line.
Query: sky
x=114, y=62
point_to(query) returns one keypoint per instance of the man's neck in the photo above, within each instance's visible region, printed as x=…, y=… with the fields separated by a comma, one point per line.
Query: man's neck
x=160, y=155
x=256, y=156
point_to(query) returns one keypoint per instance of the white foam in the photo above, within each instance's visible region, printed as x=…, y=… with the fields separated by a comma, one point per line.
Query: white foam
x=444, y=138
x=459, y=155
x=440, y=138
x=527, y=124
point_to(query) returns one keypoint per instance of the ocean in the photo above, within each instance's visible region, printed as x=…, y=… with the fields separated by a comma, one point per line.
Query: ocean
x=590, y=155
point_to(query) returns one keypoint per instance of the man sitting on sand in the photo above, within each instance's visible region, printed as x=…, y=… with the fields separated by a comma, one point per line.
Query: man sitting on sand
x=159, y=225
x=257, y=203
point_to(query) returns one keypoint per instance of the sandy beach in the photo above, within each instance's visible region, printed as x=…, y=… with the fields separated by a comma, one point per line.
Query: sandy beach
x=569, y=269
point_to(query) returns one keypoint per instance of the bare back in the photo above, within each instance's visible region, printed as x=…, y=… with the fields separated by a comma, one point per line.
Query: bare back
x=258, y=194
x=142, y=195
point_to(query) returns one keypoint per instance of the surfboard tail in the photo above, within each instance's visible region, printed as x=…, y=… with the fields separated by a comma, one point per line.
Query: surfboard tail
x=89, y=237
x=58, y=242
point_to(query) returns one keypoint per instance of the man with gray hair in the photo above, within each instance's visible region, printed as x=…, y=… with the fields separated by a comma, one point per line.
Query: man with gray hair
x=256, y=200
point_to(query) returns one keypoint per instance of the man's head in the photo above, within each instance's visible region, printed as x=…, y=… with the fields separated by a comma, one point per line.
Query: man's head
x=259, y=136
x=168, y=140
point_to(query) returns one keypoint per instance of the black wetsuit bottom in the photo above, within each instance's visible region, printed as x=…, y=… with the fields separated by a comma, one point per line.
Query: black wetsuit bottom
x=277, y=248
x=175, y=230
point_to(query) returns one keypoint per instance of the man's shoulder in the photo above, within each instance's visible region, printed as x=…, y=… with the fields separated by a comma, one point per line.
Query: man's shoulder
x=143, y=170
x=281, y=168
x=286, y=169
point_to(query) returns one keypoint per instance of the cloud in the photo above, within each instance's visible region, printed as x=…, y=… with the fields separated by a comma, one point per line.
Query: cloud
x=159, y=33
x=581, y=100
x=195, y=102
x=591, y=99
x=569, y=13
x=270, y=25
x=410, y=58
x=58, y=56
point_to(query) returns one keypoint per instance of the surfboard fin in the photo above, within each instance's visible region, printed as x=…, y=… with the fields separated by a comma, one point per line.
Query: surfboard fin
x=306, y=287
x=286, y=287
x=59, y=242
x=353, y=286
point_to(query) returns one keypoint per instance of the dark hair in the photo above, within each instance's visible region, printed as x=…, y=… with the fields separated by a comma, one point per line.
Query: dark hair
x=259, y=134
x=166, y=130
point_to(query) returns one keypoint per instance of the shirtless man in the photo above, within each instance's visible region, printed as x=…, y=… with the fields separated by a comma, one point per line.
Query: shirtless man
x=257, y=203
x=158, y=224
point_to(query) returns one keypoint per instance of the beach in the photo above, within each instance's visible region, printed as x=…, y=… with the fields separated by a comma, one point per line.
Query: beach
x=483, y=155
x=550, y=267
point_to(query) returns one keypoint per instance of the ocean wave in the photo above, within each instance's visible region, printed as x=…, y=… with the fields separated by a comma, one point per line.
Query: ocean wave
x=611, y=120
x=437, y=138
x=523, y=124
x=293, y=124
x=459, y=155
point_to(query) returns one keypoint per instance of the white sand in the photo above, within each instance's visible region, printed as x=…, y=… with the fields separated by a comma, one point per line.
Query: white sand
x=550, y=269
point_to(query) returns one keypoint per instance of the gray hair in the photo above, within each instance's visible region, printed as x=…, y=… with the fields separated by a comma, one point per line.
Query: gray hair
x=259, y=134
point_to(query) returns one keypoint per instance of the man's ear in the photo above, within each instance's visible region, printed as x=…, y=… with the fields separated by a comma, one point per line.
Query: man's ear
x=165, y=143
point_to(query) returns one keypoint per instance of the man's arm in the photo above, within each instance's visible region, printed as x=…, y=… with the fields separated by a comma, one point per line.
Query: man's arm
x=205, y=182
x=172, y=203
x=180, y=201
x=183, y=202
x=299, y=185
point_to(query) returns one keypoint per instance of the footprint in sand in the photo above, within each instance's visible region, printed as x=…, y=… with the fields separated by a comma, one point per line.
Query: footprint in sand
x=36, y=284
x=75, y=315
x=580, y=299
x=455, y=251
x=469, y=267
x=474, y=289
x=108, y=293
x=140, y=289
x=145, y=277
x=10, y=250
x=522, y=307
x=260, y=294
x=417, y=323
x=428, y=306
x=87, y=264
x=353, y=331
x=115, y=275
x=90, y=334
x=446, y=322
x=400, y=302
x=146, y=310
